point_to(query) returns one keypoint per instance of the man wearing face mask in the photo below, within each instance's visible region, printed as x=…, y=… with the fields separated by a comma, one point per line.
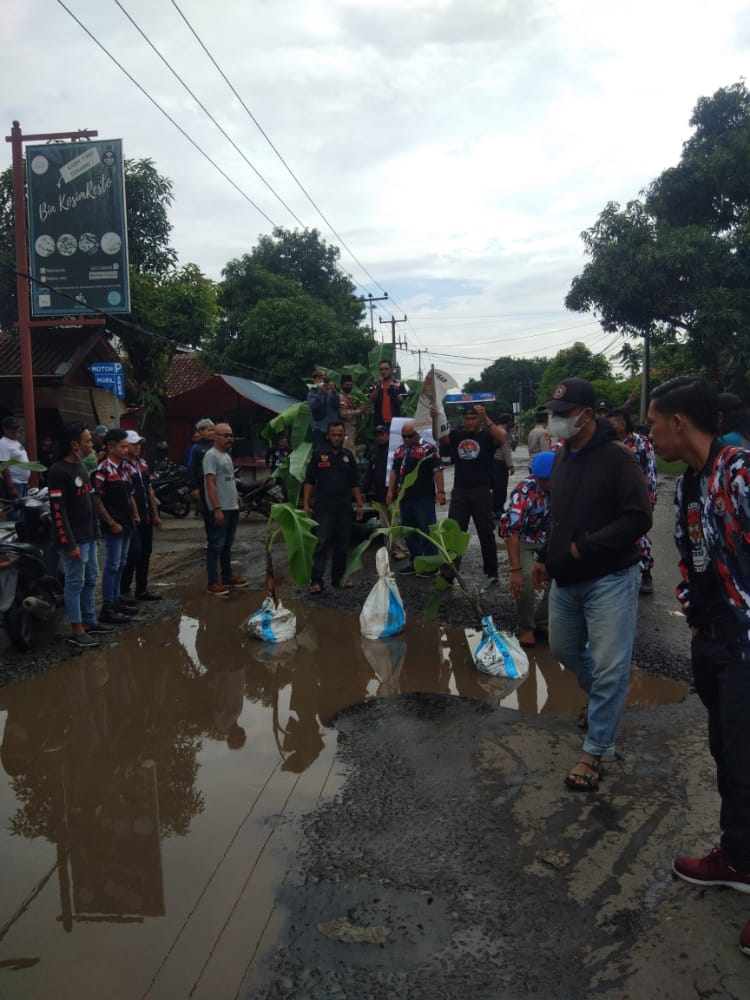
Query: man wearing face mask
x=599, y=508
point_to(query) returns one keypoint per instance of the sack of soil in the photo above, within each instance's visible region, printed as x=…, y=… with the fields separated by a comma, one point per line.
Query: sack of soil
x=272, y=622
x=383, y=612
x=497, y=653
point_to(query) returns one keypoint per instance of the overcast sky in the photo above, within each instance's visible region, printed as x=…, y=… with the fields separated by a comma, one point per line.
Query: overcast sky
x=459, y=147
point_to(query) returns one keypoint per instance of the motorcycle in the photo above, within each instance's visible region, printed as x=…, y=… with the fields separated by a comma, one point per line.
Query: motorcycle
x=258, y=498
x=171, y=488
x=31, y=581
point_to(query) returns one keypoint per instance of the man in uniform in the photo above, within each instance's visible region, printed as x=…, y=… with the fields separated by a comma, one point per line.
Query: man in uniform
x=332, y=478
x=118, y=515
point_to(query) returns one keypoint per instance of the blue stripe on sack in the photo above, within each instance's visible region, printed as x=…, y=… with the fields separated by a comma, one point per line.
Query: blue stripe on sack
x=395, y=618
x=265, y=625
x=492, y=634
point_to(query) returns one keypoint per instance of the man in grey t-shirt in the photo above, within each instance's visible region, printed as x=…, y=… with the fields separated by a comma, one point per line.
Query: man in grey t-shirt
x=223, y=512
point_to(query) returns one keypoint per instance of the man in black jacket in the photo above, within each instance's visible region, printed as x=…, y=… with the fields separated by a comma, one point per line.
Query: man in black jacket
x=599, y=508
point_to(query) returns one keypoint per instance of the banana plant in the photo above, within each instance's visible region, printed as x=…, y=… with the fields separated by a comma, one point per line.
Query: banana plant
x=296, y=528
x=448, y=538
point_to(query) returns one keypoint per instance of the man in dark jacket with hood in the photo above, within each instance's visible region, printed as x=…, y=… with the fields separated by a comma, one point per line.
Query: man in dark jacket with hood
x=599, y=508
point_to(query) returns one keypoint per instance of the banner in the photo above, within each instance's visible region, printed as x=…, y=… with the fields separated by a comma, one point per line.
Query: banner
x=435, y=388
x=470, y=397
x=77, y=228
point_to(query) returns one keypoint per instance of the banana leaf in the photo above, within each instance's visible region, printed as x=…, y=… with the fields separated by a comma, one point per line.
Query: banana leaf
x=299, y=538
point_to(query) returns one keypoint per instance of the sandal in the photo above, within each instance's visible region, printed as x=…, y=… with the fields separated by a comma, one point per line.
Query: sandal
x=316, y=588
x=585, y=780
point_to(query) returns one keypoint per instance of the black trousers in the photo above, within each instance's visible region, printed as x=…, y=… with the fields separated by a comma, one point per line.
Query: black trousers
x=722, y=680
x=476, y=504
x=334, y=530
x=139, y=557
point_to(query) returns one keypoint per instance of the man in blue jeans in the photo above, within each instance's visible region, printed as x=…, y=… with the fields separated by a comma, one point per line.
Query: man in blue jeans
x=75, y=533
x=417, y=508
x=599, y=508
x=712, y=528
x=118, y=516
x=222, y=511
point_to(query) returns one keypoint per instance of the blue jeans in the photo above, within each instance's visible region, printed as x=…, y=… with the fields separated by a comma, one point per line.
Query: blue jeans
x=14, y=513
x=591, y=632
x=219, y=548
x=419, y=513
x=80, y=582
x=115, y=556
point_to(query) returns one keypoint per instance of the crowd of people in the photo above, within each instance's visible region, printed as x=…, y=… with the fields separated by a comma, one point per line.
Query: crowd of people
x=576, y=530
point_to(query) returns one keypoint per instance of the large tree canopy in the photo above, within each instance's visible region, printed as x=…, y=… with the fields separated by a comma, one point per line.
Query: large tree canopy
x=677, y=261
x=577, y=361
x=512, y=380
x=287, y=308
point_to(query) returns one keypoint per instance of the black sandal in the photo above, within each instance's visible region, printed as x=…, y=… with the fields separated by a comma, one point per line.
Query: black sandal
x=588, y=780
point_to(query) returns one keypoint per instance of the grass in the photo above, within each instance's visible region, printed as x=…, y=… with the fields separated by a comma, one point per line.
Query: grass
x=670, y=468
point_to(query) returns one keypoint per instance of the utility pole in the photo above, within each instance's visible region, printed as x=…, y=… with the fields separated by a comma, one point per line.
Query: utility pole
x=402, y=344
x=419, y=351
x=370, y=302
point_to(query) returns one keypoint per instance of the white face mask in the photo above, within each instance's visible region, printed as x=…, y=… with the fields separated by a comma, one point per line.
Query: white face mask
x=564, y=427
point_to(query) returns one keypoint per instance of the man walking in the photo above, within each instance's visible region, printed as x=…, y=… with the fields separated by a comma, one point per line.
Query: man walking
x=223, y=513
x=142, y=541
x=417, y=507
x=118, y=516
x=712, y=532
x=472, y=450
x=75, y=533
x=332, y=477
x=599, y=508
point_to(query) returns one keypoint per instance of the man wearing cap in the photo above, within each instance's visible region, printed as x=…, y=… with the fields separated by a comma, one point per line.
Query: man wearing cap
x=15, y=481
x=472, y=453
x=604, y=407
x=142, y=540
x=118, y=515
x=539, y=439
x=524, y=528
x=599, y=508
x=205, y=442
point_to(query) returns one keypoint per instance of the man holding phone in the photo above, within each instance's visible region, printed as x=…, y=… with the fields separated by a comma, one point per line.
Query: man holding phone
x=323, y=400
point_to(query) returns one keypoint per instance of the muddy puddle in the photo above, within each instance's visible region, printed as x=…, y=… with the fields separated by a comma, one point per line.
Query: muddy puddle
x=148, y=788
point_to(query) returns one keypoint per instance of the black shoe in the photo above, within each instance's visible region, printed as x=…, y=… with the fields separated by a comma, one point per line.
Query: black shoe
x=125, y=609
x=83, y=640
x=99, y=628
x=110, y=616
x=126, y=599
x=647, y=584
x=147, y=595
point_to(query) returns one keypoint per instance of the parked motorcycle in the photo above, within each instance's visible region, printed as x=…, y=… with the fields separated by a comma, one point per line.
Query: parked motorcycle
x=258, y=498
x=31, y=581
x=171, y=489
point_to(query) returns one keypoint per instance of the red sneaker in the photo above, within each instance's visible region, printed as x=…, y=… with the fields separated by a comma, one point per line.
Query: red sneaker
x=714, y=869
x=218, y=589
x=745, y=939
x=235, y=581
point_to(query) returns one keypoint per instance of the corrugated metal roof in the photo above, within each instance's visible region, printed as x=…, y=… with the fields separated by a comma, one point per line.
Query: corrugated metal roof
x=263, y=395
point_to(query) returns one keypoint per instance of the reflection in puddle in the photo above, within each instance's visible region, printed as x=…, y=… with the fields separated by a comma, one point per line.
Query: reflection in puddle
x=147, y=787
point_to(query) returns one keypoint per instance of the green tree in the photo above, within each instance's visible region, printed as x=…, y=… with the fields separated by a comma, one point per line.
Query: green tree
x=576, y=361
x=277, y=330
x=512, y=380
x=676, y=263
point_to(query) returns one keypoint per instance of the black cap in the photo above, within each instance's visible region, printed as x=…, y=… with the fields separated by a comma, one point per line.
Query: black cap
x=572, y=392
x=381, y=429
x=604, y=406
x=469, y=408
x=10, y=423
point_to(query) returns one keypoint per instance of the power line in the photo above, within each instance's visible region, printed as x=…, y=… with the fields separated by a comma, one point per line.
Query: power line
x=265, y=135
x=166, y=114
x=205, y=110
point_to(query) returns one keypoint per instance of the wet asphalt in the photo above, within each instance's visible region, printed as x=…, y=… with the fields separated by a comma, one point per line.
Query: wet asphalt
x=431, y=849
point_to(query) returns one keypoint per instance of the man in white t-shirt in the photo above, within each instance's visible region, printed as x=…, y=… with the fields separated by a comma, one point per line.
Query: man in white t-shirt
x=15, y=481
x=222, y=512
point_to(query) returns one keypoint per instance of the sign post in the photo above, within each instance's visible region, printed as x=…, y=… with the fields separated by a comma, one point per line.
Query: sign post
x=108, y=375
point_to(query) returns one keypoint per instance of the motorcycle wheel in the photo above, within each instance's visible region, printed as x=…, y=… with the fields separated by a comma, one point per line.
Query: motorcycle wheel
x=180, y=508
x=18, y=624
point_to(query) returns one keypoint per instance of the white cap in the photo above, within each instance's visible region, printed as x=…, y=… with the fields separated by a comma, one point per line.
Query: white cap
x=133, y=437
